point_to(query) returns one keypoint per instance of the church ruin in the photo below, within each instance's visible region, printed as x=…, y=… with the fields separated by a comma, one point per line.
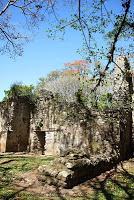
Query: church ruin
x=53, y=127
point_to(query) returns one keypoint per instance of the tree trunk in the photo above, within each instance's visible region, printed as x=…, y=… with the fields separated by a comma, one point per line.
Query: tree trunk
x=126, y=118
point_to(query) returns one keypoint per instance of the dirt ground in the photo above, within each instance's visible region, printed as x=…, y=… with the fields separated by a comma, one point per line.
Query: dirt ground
x=30, y=181
x=117, y=183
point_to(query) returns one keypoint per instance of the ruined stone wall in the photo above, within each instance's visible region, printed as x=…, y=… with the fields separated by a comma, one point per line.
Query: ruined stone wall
x=65, y=126
x=3, y=131
x=18, y=138
x=15, y=125
x=55, y=127
x=6, y=112
x=123, y=99
x=44, y=134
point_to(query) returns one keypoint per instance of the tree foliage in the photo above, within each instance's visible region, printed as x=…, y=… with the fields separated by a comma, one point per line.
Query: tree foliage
x=107, y=30
x=103, y=27
x=94, y=19
x=67, y=81
x=18, y=89
x=74, y=84
x=13, y=34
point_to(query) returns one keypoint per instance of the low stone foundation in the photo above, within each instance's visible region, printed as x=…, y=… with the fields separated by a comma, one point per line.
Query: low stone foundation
x=74, y=169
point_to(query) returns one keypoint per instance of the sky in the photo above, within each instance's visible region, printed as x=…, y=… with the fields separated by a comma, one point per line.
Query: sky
x=41, y=56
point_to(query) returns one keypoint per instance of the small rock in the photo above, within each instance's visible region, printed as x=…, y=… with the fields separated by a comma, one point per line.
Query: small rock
x=64, y=174
x=41, y=168
x=69, y=165
x=70, y=193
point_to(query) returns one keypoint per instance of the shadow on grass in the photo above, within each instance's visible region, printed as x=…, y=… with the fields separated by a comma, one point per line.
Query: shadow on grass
x=113, y=185
x=126, y=173
x=5, y=176
x=7, y=161
x=7, y=187
x=13, y=195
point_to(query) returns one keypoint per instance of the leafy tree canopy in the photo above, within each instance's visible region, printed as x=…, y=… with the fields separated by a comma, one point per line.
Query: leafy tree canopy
x=18, y=89
x=95, y=19
x=107, y=28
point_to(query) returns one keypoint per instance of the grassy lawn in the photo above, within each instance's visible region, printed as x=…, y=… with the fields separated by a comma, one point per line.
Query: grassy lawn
x=11, y=167
x=116, y=186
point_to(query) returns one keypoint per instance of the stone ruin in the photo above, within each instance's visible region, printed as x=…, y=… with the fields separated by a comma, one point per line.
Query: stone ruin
x=88, y=142
x=52, y=128
x=14, y=125
x=75, y=168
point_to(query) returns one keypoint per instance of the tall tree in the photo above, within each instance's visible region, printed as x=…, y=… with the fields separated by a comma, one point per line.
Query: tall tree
x=102, y=19
x=93, y=18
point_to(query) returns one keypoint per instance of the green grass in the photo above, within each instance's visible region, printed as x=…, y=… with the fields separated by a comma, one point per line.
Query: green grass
x=23, y=164
x=119, y=186
x=11, y=167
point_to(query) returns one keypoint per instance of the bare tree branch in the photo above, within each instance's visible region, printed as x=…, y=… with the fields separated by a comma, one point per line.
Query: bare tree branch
x=113, y=47
x=7, y=36
x=131, y=25
x=9, y=3
x=5, y=8
x=69, y=24
x=52, y=6
x=79, y=9
x=117, y=34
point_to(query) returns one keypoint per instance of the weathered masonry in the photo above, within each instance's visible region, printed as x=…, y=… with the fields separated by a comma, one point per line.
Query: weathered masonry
x=53, y=128
x=14, y=125
x=20, y=128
